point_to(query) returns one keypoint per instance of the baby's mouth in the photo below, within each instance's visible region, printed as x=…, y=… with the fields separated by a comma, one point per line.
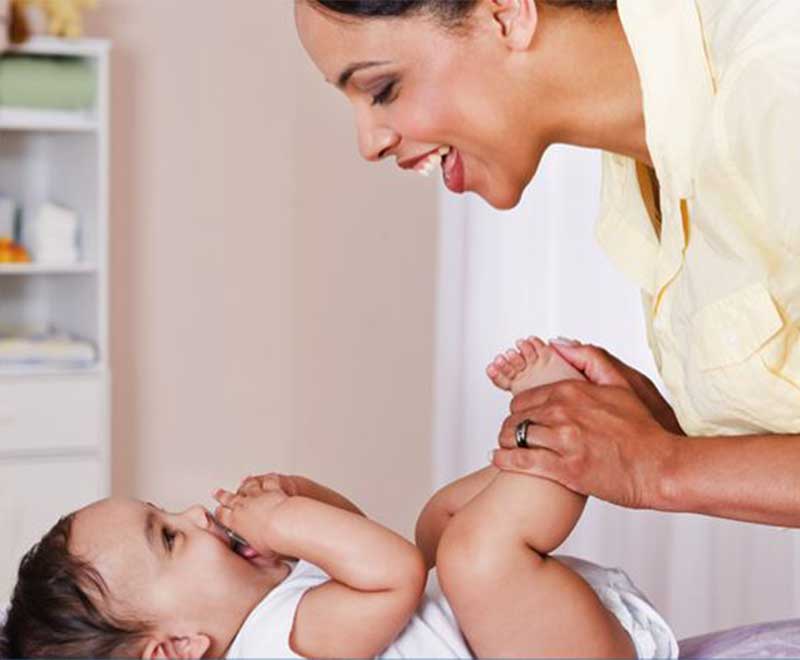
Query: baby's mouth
x=230, y=538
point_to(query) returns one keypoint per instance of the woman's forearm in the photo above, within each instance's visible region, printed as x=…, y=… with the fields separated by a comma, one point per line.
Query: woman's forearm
x=749, y=478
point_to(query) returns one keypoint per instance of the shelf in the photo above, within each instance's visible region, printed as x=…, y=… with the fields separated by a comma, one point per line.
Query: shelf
x=16, y=372
x=47, y=269
x=22, y=119
x=60, y=46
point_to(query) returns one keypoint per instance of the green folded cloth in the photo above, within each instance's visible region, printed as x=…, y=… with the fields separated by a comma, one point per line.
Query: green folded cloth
x=46, y=83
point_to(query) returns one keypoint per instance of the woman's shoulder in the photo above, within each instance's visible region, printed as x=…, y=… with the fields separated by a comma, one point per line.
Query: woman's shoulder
x=748, y=33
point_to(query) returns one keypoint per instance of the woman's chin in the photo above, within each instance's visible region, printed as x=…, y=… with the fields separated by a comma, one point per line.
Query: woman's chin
x=502, y=200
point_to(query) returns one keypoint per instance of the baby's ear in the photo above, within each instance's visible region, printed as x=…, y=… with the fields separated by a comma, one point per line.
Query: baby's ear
x=191, y=646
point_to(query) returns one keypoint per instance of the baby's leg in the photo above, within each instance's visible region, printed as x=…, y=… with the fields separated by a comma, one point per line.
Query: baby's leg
x=510, y=598
x=444, y=504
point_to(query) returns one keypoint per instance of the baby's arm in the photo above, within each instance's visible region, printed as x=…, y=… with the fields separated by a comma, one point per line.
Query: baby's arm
x=377, y=576
x=444, y=504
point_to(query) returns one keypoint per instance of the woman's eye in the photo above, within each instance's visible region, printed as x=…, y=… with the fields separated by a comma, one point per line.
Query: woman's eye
x=384, y=96
x=169, y=537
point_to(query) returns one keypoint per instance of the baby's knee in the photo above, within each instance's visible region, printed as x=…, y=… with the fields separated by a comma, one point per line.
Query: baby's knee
x=474, y=550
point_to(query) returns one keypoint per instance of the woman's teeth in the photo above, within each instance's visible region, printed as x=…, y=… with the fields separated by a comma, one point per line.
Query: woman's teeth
x=426, y=167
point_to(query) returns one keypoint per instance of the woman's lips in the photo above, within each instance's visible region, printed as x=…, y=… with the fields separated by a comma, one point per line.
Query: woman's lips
x=427, y=162
x=453, y=171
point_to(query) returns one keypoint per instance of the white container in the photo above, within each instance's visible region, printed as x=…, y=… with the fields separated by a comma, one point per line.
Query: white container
x=55, y=235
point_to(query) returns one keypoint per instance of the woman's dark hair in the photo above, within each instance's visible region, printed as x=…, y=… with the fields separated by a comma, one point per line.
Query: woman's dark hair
x=450, y=12
x=53, y=613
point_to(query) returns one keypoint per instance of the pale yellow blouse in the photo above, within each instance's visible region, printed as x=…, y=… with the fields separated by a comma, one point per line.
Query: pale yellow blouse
x=719, y=262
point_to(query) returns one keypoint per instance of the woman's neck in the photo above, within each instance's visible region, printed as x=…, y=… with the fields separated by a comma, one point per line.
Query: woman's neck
x=594, y=92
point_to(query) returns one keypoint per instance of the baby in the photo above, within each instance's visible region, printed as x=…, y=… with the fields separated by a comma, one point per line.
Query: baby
x=319, y=579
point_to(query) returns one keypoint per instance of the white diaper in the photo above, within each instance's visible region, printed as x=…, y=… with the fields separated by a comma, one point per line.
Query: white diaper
x=650, y=634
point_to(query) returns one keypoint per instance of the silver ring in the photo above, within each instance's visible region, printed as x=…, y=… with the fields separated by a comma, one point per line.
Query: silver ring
x=522, y=433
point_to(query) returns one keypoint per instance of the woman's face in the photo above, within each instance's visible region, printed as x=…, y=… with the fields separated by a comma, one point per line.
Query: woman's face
x=419, y=89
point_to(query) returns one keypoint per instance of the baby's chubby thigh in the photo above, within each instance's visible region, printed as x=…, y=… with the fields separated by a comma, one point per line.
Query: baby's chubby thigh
x=510, y=598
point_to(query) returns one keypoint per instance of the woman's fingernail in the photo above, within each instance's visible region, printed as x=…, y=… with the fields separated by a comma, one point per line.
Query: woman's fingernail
x=491, y=455
x=565, y=341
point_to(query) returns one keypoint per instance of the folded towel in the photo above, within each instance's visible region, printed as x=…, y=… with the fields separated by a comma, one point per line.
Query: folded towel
x=61, y=351
x=46, y=83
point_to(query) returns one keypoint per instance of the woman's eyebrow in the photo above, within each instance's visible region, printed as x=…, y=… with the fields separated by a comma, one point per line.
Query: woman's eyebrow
x=345, y=75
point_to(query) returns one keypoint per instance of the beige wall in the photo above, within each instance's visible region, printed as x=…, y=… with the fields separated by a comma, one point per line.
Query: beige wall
x=272, y=293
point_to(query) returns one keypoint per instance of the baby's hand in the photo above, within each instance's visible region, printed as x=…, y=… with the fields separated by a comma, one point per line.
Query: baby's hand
x=248, y=512
x=269, y=481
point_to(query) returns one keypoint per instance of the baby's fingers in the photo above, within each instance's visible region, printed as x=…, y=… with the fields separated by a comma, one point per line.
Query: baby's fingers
x=250, y=488
x=225, y=498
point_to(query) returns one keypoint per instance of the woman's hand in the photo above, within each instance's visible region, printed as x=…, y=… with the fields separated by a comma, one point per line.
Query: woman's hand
x=612, y=438
x=602, y=368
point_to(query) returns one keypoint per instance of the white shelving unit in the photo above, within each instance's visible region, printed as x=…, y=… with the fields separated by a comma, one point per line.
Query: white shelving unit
x=55, y=423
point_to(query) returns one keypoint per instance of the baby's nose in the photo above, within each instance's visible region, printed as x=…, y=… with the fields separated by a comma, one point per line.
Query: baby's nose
x=197, y=515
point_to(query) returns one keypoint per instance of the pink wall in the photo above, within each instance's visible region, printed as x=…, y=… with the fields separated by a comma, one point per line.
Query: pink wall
x=272, y=293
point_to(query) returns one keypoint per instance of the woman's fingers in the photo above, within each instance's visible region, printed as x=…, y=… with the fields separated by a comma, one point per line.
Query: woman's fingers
x=597, y=364
x=540, y=432
x=532, y=398
x=602, y=368
x=535, y=462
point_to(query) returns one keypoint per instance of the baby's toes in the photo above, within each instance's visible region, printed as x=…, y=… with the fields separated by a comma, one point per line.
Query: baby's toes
x=515, y=360
x=528, y=351
x=538, y=344
x=502, y=363
x=497, y=377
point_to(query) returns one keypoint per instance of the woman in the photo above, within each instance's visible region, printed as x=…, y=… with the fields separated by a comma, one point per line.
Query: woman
x=695, y=103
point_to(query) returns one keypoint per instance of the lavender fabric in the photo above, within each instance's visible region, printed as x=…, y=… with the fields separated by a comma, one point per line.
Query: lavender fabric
x=776, y=639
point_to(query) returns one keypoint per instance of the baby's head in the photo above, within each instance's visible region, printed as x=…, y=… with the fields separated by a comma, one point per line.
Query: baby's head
x=121, y=578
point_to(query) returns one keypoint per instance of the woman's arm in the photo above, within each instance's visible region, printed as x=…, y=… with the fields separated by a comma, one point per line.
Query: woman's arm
x=750, y=478
x=377, y=577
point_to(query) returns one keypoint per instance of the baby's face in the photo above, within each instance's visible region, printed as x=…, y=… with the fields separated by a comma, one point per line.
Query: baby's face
x=176, y=569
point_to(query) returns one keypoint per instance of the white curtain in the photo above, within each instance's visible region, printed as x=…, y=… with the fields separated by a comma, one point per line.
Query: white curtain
x=537, y=270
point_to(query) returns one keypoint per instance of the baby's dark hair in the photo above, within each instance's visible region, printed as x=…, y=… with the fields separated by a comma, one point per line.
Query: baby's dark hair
x=451, y=12
x=57, y=608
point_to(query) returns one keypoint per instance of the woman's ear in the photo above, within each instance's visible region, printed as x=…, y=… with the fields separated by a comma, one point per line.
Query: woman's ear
x=190, y=646
x=517, y=20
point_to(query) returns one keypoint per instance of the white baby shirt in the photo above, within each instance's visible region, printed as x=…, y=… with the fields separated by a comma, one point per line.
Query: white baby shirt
x=433, y=631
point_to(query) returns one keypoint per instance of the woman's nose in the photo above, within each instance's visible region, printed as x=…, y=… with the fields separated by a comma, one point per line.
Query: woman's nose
x=375, y=141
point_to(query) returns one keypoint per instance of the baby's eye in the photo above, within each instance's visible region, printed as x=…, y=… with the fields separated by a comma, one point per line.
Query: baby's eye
x=169, y=537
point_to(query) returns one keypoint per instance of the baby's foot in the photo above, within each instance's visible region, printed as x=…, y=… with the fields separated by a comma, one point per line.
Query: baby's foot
x=534, y=363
